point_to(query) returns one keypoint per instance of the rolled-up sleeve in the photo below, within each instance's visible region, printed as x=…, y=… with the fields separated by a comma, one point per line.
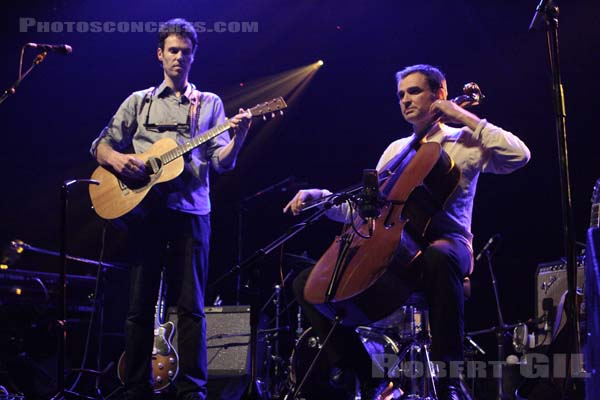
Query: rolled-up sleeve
x=504, y=152
x=215, y=145
x=119, y=131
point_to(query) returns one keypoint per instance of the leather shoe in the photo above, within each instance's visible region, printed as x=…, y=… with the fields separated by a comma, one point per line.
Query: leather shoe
x=342, y=379
x=449, y=392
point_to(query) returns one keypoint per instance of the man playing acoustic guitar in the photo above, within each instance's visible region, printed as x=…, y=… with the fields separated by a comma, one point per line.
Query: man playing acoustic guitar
x=181, y=218
x=477, y=147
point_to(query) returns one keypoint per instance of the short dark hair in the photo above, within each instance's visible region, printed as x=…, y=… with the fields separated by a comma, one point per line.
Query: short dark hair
x=434, y=76
x=179, y=27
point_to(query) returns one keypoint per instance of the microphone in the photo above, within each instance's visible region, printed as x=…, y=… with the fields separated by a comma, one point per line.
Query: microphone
x=369, y=206
x=54, y=48
x=497, y=237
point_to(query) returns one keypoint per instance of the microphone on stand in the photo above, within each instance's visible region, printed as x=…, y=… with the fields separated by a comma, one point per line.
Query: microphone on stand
x=369, y=206
x=496, y=238
x=53, y=48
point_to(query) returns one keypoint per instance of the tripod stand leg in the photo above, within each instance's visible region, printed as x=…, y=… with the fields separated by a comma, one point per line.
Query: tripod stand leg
x=298, y=389
x=430, y=371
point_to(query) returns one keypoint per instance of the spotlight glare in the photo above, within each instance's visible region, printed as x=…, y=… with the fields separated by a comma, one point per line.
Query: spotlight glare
x=320, y=63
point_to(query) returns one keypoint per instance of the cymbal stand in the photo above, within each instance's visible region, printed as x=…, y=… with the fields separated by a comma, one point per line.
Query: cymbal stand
x=275, y=370
x=500, y=330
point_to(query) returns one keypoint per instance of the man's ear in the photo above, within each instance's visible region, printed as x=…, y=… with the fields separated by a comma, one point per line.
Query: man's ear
x=159, y=54
x=442, y=92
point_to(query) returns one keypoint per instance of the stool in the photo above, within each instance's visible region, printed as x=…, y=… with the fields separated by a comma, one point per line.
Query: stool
x=403, y=336
x=399, y=349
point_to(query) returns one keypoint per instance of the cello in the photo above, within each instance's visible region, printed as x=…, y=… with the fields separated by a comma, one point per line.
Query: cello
x=361, y=279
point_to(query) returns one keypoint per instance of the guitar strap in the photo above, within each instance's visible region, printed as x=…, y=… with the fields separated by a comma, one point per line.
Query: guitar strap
x=150, y=93
x=194, y=111
x=194, y=107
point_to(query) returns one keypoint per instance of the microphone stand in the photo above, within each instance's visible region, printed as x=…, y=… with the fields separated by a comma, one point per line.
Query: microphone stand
x=240, y=233
x=549, y=10
x=62, y=293
x=500, y=329
x=13, y=88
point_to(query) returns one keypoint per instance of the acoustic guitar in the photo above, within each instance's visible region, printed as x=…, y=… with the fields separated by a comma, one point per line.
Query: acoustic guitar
x=115, y=196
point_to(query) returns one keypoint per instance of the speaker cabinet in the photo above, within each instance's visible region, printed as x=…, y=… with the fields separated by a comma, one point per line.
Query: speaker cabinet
x=227, y=337
x=550, y=285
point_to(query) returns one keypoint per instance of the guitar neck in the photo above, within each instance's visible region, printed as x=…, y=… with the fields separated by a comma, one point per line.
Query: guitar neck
x=193, y=143
x=160, y=303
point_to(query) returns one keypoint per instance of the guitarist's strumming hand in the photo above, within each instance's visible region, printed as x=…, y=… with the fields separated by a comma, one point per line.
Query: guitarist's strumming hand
x=125, y=165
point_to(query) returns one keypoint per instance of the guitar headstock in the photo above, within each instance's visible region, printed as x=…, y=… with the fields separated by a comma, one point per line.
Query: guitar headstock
x=268, y=107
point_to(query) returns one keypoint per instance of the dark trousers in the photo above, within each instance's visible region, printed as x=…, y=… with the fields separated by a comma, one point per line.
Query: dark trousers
x=443, y=266
x=186, y=264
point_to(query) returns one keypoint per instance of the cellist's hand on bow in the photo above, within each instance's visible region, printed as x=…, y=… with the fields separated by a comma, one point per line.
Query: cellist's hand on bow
x=301, y=198
x=454, y=114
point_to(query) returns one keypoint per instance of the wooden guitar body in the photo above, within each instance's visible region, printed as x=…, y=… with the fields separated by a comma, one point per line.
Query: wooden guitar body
x=114, y=197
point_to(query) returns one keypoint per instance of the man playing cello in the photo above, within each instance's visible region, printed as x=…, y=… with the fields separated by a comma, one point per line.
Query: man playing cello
x=478, y=146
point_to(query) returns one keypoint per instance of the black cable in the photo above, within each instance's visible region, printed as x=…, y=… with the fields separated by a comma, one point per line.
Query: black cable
x=352, y=223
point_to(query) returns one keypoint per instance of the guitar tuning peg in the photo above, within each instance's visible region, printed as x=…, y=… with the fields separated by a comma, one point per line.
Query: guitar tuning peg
x=272, y=115
x=280, y=112
x=264, y=117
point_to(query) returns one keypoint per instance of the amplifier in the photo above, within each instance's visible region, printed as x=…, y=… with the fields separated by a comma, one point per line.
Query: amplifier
x=550, y=285
x=227, y=337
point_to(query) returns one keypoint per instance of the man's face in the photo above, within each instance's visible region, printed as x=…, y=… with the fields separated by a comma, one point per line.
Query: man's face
x=415, y=97
x=177, y=56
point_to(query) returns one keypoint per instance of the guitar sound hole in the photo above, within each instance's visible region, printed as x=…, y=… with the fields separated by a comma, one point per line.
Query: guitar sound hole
x=153, y=165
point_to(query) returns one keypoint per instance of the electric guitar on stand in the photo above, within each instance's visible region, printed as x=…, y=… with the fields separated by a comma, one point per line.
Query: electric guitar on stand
x=115, y=197
x=165, y=361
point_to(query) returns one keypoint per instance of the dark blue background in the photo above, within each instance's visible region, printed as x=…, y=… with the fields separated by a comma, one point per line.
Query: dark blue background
x=340, y=124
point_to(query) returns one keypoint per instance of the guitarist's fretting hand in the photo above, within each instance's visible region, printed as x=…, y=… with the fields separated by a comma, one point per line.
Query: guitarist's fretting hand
x=125, y=165
x=240, y=123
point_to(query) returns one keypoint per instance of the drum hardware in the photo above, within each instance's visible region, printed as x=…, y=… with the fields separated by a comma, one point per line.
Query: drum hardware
x=403, y=336
x=275, y=371
x=502, y=328
x=317, y=369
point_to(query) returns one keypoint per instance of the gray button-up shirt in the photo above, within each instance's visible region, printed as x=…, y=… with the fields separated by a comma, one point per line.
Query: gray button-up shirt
x=127, y=133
